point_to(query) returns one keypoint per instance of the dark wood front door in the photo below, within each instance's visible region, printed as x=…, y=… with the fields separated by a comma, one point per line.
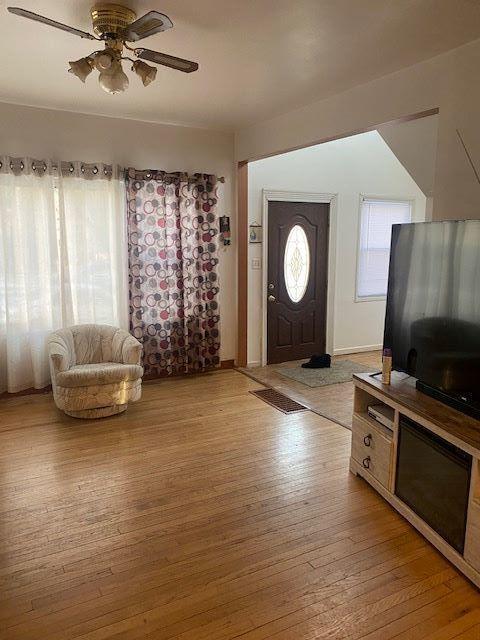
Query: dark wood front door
x=297, y=280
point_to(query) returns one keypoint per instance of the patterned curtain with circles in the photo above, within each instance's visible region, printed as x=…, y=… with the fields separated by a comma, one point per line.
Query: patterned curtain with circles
x=173, y=276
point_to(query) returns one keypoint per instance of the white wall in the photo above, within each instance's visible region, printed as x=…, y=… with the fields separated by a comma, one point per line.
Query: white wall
x=60, y=135
x=448, y=82
x=360, y=165
x=415, y=144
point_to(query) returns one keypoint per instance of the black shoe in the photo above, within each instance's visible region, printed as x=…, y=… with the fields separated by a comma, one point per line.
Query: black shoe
x=318, y=362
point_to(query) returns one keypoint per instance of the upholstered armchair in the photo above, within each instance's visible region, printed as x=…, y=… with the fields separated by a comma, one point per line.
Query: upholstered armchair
x=95, y=370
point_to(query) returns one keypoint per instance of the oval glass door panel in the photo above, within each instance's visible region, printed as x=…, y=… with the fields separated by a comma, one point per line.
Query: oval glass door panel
x=296, y=263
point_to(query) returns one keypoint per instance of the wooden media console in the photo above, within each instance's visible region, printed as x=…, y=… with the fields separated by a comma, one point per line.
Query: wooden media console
x=375, y=455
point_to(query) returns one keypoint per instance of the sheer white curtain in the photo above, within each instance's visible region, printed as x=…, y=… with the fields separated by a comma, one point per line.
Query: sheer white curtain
x=30, y=292
x=63, y=260
x=93, y=247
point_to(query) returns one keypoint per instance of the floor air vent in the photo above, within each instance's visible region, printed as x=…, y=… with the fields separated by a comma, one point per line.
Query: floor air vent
x=279, y=401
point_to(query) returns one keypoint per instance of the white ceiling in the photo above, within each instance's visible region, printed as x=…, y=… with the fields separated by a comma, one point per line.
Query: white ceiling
x=258, y=58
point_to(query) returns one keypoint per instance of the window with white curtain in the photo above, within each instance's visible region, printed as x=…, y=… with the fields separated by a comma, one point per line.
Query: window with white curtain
x=62, y=261
x=30, y=292
x=93, y=251
x=376, y=219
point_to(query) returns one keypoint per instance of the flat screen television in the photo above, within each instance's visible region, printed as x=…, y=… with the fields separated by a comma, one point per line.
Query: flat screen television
x=432, y=322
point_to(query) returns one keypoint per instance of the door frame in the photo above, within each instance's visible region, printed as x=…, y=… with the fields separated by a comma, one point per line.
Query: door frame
x=299, y=196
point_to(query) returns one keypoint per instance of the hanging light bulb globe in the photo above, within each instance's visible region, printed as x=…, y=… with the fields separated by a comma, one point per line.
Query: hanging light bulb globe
x=81, y=68
x=145, y=72
x=114, y=80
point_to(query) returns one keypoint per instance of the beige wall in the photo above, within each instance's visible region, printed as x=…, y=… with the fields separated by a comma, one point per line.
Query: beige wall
x=26, y=131
x=448, y=82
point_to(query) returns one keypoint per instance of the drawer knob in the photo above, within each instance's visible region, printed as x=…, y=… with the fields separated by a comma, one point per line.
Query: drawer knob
x=367, y=440
x=366, y=462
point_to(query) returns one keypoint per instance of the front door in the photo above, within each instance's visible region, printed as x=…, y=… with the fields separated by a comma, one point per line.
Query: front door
x=297, y=280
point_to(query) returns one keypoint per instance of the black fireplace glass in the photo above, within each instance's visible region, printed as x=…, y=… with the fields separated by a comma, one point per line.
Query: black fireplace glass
x=433, y=479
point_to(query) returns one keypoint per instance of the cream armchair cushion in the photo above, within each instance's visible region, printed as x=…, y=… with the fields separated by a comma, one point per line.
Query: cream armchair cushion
x=95, y=370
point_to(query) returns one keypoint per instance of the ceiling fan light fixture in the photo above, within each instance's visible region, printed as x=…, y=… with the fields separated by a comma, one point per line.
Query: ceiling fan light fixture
x=145, y=72
x=115, y=80
x=115, y=26
x=81, y=68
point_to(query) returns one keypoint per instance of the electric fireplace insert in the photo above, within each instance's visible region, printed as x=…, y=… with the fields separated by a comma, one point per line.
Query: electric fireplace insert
x=433, y=479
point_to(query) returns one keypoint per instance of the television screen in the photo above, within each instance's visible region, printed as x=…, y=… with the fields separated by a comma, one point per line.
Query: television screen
x=432, y=322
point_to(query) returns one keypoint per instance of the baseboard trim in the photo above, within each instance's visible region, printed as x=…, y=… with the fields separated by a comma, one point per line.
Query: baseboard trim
x=26, y=392
x=227, y=364
x=367, y=347
x=254, y=363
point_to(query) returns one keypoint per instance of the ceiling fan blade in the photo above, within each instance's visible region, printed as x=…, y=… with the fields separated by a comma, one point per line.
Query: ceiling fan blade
x=167, y=61
x=152, y=22
x=52, y=23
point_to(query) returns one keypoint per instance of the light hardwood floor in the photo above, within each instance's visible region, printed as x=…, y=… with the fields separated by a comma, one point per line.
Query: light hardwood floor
x=333, y=401
x=205, y=514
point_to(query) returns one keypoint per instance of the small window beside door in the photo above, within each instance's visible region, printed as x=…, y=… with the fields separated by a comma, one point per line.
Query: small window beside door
x=376, y=219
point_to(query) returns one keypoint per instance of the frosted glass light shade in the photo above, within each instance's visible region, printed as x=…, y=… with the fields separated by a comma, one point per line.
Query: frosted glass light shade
x=81, y=68
x=145, y=72
x=103, y=61
x=114, y=80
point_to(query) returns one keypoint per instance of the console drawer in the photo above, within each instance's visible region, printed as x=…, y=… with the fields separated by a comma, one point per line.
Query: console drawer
x=373, y=450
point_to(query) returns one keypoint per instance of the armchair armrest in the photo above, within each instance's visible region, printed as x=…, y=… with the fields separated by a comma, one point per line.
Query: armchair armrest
x=59, y=357
x=131, y=351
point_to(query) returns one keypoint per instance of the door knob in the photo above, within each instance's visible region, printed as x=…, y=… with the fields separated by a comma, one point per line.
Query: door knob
x=271, y=298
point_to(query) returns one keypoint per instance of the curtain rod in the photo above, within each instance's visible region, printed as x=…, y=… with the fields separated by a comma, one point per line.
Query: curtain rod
x=37, y=165
x=149, y=173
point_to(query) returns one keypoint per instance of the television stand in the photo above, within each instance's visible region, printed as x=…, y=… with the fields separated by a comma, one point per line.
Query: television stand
x=375, y=453
x=455, y=401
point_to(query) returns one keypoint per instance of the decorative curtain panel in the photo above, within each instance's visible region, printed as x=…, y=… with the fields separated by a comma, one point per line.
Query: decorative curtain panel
x=173, y=277
x=63, y=259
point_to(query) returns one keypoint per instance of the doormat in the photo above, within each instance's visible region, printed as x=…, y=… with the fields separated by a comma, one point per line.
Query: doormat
x=340, y=371
x=279, y=401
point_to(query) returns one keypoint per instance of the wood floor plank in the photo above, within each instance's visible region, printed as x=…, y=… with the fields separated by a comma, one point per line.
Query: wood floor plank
x=453, y=618
x=204, y=514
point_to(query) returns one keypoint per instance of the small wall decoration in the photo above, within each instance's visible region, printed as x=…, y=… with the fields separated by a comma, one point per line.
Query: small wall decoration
x=255, y=233
x=225, y=230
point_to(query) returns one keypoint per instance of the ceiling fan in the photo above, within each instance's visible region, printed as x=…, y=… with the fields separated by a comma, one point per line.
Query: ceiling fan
x=115, y=26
